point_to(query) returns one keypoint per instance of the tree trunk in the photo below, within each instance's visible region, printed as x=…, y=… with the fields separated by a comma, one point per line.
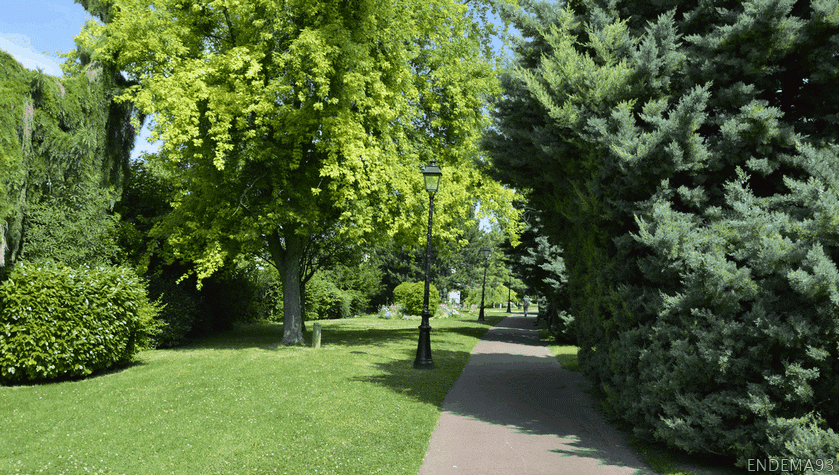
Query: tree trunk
x=287, y=260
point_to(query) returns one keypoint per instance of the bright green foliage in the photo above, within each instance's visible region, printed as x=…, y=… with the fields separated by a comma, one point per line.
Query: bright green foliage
x=411, y=295
x=685, y=157
x=64, y=148
x=58, y=321
x=281, y=121
x=495, y=294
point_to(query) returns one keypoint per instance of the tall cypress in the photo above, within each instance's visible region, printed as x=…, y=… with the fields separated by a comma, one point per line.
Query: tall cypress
x=685, y=155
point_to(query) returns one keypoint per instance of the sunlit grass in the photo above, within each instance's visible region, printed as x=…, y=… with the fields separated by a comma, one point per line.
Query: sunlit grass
x=235, y=404
x=565, y=354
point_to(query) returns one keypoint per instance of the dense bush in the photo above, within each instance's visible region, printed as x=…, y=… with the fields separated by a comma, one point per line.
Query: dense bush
x=229, y=296
x=412, y=296
x=72, y=227
x=324, y=300
x=62, y=142
x=58, y=321
x=269, y=295
x=360, y=283
x=181, y=307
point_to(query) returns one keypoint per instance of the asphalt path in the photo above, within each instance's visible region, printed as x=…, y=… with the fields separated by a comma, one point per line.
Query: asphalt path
x=515, y=411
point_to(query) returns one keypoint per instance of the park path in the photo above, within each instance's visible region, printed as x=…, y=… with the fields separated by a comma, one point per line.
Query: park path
x=515, y=411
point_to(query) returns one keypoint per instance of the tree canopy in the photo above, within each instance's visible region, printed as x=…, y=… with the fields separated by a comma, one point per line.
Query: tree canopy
x=282, y=120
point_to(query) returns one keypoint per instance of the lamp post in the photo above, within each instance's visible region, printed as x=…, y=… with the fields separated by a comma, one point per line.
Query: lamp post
x=432, y=175
x=486, y=252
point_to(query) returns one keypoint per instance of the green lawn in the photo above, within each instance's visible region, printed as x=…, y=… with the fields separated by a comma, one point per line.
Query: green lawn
x=234, y=404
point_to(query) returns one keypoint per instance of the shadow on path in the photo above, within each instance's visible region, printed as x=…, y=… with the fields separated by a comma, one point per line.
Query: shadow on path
x=514, y=409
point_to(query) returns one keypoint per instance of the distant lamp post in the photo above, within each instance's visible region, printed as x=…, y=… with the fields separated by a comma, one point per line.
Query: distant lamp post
x=432, y=175
x=486, y=252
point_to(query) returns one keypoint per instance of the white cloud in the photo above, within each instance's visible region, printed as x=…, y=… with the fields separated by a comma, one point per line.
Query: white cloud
x=20, y=47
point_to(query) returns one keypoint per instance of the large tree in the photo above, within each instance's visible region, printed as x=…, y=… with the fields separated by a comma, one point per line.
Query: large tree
x=685, y=156
x=284, y=120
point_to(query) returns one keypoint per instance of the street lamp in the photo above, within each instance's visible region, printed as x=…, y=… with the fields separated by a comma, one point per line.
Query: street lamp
x=486, y=252
x=432, y=175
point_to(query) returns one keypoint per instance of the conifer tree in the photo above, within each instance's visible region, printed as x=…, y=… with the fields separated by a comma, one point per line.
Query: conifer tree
x=685, y=155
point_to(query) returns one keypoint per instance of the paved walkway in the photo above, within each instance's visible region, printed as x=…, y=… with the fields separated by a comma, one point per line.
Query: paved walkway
x=515, y=411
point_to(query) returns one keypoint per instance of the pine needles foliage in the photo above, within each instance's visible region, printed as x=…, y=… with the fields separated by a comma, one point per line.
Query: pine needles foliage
x=685, y=157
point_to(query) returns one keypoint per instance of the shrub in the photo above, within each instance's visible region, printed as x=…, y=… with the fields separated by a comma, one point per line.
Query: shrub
x=182, y=305
x=230, y=295
x=73, y=228
x=359, y=283
x=59, y=321
x=269, y=295
x=324, y=300
x=412, y=294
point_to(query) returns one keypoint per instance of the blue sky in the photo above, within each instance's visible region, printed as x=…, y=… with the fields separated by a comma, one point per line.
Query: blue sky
x=35, y=31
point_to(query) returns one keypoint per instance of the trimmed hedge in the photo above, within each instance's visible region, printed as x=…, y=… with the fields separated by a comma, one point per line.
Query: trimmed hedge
x=412, y=295
x=58, y=321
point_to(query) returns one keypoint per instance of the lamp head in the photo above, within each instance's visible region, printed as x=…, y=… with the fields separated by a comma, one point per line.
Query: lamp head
x=432, y=175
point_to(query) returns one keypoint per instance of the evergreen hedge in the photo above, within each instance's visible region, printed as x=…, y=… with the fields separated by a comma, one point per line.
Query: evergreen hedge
x=685, y=157
x=58, y=321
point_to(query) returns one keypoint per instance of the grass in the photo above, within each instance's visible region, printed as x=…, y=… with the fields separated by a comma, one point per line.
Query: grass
x=236, y=404
x=565, y=354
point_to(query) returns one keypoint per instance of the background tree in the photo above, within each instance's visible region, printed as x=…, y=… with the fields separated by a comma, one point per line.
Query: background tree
x=685, y=159
x=229, y=295
x=64, y=148
x=280, y=121
x=541, y=267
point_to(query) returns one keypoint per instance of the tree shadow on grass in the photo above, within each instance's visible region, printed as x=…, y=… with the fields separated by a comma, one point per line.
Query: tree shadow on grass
x=510, y=386
x=115, y=369
x=253, y=335
x=267, y=336
x=426, y=386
